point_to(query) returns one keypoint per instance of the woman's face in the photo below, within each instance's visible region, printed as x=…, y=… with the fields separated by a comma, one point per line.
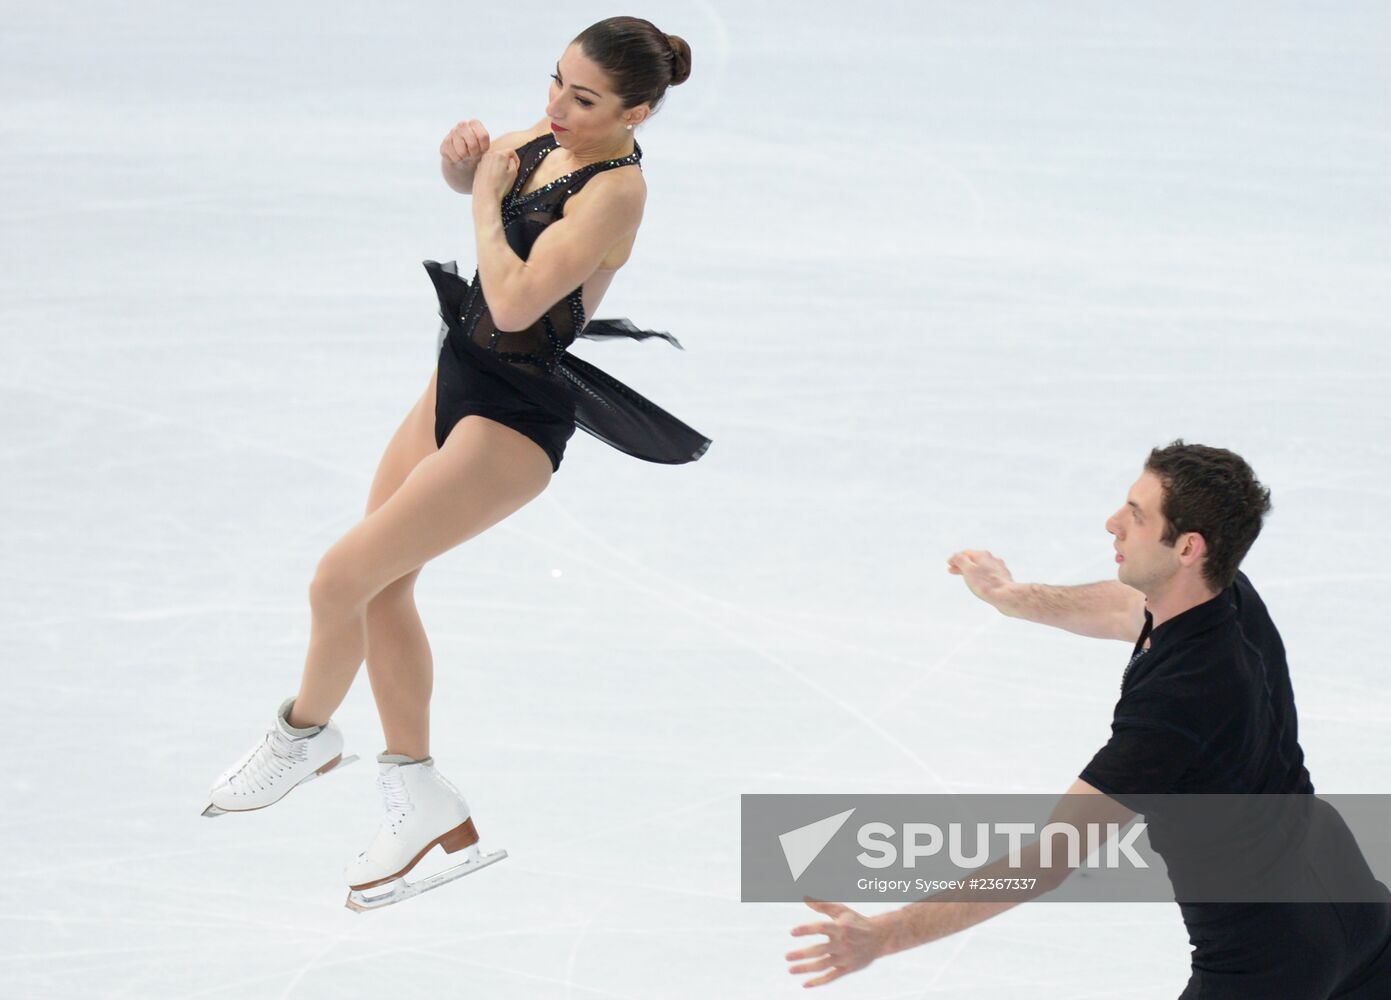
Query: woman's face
x=584, y=111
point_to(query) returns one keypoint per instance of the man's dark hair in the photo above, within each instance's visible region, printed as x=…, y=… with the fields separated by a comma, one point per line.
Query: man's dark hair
x=1214, y=492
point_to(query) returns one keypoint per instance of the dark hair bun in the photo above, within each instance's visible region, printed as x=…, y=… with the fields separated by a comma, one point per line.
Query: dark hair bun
x=641, y=60
x=681, y=65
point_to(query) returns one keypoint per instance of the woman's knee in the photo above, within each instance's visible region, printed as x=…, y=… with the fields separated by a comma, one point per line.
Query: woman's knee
x=336, y=590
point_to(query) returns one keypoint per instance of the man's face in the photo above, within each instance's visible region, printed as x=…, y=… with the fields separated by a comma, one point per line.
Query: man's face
x=1143, y=561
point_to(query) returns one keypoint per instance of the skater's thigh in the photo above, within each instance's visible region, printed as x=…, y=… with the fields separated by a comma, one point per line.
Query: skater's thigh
x=485, y=472
x=414, y=439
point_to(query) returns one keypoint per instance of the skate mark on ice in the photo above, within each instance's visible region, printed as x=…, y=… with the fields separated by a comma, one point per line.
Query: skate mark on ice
x=575, y=946
x=749, y=644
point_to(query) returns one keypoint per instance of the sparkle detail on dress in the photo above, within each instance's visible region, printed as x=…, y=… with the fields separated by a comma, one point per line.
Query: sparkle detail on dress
x=529, y=379
x=540, y=346
x=586, y=171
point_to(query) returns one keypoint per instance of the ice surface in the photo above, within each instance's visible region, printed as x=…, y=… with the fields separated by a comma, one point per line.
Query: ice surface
x=944, y=274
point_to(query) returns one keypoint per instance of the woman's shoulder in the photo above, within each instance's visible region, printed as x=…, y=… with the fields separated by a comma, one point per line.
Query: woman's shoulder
x=619, y=192
x=622, y=182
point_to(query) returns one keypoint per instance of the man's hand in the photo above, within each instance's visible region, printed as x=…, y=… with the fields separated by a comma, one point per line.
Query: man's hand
x=987, y=576
x=1106, y=610
x=853, y=942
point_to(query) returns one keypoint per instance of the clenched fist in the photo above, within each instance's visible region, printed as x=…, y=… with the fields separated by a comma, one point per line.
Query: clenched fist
x=465, y=143
x=494, y=176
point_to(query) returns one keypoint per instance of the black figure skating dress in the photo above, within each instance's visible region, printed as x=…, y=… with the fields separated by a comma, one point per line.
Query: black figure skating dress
x=527, y=379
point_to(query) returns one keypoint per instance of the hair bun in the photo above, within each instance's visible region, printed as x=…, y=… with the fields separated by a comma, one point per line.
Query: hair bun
x=681, y=59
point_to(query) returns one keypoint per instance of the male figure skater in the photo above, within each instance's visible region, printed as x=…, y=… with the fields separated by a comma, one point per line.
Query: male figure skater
x=1206, y=706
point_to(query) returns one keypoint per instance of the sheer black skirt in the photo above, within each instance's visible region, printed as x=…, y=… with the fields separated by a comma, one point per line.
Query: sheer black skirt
x=576, y=393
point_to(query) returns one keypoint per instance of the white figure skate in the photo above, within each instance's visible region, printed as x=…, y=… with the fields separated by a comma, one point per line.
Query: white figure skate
x=284, y=759
x=423, y=809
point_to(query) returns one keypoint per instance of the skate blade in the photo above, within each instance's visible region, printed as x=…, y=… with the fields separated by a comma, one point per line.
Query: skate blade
x=362, y=900
x=213, y=810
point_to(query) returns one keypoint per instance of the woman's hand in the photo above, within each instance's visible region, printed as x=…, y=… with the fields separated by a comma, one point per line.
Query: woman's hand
x=465, y=143
x=853, y=942
x=494, y=176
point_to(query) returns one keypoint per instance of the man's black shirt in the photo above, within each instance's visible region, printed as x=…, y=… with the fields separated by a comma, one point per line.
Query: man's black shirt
x=1208, y=708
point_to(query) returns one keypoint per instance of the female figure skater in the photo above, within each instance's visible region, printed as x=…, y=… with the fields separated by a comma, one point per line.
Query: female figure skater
x=556, y=210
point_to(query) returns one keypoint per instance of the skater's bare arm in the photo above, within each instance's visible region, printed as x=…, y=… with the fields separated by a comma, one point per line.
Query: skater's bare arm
x=947, y=912
x=519, y=292
x=854, y=940
x=1104, y=610
x=466, y=143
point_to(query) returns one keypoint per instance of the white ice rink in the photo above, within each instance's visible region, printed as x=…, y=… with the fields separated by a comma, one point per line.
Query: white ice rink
x=944, y=273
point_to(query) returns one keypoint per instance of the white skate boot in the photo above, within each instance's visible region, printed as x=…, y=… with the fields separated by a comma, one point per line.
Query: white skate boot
x=285, y=758
x=423, y=809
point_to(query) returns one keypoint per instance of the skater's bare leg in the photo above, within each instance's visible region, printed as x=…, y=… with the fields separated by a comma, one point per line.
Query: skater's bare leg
x=484, y=472
x=400, y=668
x=321, y=691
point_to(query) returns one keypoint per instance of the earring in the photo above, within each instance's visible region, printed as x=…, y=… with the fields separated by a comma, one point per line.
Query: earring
x=630, y=128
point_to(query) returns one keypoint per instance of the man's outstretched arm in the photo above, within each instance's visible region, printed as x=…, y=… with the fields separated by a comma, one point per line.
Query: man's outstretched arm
x=1105, y=610
x=937, y=916
x=854, y=940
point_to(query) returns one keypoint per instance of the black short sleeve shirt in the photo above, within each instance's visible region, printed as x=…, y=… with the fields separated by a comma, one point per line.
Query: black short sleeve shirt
x=1207, y=708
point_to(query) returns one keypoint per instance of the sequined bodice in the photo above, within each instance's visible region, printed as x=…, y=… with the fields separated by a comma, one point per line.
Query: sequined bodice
x=524, y=218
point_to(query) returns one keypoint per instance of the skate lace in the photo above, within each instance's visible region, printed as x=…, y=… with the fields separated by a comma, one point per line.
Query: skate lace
x=276, y=754
x=394, y=794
